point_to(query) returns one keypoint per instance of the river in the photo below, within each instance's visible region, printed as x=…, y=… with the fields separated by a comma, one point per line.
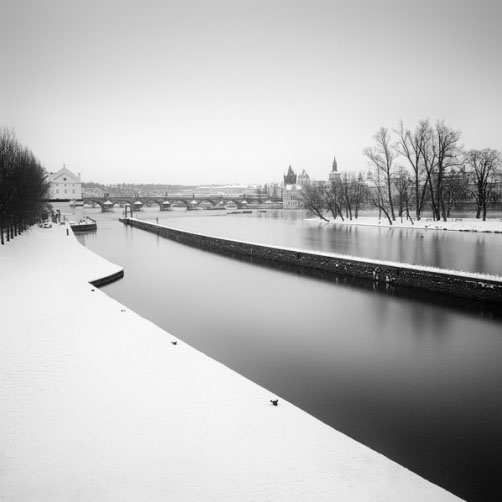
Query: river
x=418, y=380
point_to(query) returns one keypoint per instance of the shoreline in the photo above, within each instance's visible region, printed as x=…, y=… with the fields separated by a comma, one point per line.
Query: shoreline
x=491, y=225
x=467, y=285
x=103, y=406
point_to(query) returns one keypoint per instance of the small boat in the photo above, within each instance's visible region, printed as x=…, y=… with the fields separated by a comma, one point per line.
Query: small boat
x=84, y=225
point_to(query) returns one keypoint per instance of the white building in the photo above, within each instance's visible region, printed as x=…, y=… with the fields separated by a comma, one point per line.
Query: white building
x=292, y=197
x=65, y=194
x=292, y=191
x=65, y=185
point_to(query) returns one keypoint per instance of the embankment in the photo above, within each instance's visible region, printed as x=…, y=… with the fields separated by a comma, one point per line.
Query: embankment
x=471, y=286
x=100, y=404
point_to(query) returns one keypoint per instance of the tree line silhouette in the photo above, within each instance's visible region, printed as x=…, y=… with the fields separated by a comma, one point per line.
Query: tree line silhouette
x=23, y=186
x=412, y=172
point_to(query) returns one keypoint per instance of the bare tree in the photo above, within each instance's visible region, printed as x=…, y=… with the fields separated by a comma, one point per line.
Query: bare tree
x=350, y=194
x=455, y=188
x=313, y=195
x=382, y=156
x=486, y=168
x=447, y=153
x=412, y=146
x=333, y=196
x=403, y=185
x=359, y=193
x=375, y=191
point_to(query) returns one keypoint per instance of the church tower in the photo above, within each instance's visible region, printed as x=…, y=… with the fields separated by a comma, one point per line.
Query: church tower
x=334, y=175
x=290, y=177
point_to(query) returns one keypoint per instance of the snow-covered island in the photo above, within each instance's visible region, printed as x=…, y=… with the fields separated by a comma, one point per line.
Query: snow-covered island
x=99, y=404
x=491, y=225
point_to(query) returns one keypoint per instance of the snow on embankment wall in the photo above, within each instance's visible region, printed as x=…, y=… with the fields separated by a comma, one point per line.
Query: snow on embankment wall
x=95, y=269
x=472, y=286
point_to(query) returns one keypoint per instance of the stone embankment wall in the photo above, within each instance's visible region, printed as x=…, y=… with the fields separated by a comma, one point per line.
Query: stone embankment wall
x=474, y=287
x=103, y=281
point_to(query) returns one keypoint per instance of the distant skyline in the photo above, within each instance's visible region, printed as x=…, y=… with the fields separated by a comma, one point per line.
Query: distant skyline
x=199, y=92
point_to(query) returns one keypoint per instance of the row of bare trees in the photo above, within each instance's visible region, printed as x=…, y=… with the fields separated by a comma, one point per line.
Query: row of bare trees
x=23, y=186
x=412, y=172
x=429, y=166
x=342, y=197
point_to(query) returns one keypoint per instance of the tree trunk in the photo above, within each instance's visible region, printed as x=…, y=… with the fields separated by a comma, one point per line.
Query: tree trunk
x=478, y=206
x=387, y=214
x=340, y=213
x=389, y=191
x=417, y=205
x=408, y=214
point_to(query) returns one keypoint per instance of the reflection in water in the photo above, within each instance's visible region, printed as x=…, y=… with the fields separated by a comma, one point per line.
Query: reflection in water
x=417, y=381
x=438, y=248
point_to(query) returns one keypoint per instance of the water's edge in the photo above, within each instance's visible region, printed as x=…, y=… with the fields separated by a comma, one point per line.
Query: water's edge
x=470, y=286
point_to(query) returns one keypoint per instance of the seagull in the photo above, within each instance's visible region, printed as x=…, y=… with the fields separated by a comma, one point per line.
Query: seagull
x=275, y=402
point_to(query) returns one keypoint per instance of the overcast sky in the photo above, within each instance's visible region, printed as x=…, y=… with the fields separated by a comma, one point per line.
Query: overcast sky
x=197, y=92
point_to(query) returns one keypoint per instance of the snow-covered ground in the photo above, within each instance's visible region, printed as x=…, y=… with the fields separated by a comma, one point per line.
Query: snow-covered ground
x=98, y=404
x=491, y=225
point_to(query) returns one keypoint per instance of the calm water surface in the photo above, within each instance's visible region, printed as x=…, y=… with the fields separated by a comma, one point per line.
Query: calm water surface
x=475, y=252
x=417, y=381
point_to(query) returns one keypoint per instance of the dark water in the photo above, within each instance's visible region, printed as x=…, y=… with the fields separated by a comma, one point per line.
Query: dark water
x=417, y=381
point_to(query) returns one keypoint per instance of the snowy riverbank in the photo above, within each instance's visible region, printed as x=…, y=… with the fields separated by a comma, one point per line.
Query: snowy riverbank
x=491, y=225
x=99, y=404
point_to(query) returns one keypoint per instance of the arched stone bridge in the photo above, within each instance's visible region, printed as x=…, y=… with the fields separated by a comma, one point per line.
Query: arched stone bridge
x=165, y=203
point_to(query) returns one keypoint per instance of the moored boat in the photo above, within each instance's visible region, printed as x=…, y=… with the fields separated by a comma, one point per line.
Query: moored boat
x=84, y=225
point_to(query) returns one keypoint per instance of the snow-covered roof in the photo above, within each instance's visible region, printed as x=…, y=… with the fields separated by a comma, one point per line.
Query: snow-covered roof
x=64, y=175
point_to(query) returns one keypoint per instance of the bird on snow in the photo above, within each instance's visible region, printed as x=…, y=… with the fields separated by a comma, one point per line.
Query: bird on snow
x=174, y=342
x=275, y=402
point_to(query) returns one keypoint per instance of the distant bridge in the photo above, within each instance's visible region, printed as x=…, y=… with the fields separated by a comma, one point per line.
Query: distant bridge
x=166, y=202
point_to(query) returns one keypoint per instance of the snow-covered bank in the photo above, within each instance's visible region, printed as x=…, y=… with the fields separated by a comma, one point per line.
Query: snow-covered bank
x=492, y=225
x=98, y=404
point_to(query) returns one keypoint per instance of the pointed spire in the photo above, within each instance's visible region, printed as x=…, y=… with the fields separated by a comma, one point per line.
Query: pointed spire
x=335, y=166
x=290, y=177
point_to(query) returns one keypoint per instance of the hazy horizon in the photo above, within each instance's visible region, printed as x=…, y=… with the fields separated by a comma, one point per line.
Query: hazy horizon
x=223, y=92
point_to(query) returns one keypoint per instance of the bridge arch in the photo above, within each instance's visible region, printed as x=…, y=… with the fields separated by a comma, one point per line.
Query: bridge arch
x=210, y=201
x=100, y=203
x=118, y=200
x=175, y=200
x=159, y=202
x=237, y=201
